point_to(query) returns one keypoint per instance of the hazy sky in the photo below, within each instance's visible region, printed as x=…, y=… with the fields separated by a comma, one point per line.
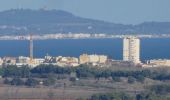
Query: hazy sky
x=118, y=11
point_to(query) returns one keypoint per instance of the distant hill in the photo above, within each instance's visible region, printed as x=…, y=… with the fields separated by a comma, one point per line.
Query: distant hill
x=24, y=21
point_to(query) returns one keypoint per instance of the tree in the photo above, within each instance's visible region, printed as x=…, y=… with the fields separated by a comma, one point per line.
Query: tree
x=25, y=71
x=84, y=71
x=111, y=96
x=49, y=81
x=7, y=81
x=106, y=74
x=116, y=79
x=17, y=81
x=131, y=80
x=1, y=71
x=150, y=96
x=161, y=89
x=14, y=71
x=11, y=71
x=140, y=78
x=31, y=82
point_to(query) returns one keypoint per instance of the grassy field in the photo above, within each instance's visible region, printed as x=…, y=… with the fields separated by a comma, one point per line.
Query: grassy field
x=46, y=93
x=41, y=93
x=72, y=90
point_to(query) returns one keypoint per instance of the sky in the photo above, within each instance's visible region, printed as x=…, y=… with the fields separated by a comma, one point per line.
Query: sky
x=117, y=11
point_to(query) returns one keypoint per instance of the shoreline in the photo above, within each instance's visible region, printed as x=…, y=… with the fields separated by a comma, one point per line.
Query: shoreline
x=78, y=36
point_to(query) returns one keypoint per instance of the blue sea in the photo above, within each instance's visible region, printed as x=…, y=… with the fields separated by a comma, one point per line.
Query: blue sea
x=151, y=48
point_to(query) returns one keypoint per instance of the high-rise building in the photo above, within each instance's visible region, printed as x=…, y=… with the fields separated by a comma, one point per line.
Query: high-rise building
x=31, y=49
x=131, y=49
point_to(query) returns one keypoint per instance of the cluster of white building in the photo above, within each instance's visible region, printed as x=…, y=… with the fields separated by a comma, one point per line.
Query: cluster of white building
x=94, y=59
x=131, y=53
x=77, y=36
x=55, y=36
x=158, y=63
x=60, y=61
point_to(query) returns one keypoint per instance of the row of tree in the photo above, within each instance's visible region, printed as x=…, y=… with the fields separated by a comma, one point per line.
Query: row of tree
x=123, y=96
x=29, y=81
x=18, y=82
x=83, y=71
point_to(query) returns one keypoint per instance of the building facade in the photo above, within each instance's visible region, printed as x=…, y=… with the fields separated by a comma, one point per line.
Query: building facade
x=84, y=58
x=131, y=49
x=159, y=62
x=100, y=59
x=93, y=58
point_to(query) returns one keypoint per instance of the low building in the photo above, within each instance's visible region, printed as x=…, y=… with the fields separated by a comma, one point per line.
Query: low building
x=50, y=59
x=84, y=58
x=1, y=61
x=23, y=60
x=102, y=59
x=67, y=61
x=94, y=58
x=159, y=62
x=58, y=58
x=9, y=60
x=38, y=61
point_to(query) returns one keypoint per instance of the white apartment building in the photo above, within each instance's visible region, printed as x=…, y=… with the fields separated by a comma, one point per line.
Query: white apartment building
x=102, y=59
x=93, y=58
x=131, y=49
x=84, y=58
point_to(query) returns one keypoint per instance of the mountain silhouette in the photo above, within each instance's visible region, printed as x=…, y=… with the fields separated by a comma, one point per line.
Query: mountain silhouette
x=24, y=21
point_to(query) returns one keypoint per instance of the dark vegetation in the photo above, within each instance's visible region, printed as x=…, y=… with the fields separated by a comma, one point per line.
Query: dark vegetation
x=124, y=96
x=111, y=96
x=83, y=71
x=20, y=76
x=154, y=92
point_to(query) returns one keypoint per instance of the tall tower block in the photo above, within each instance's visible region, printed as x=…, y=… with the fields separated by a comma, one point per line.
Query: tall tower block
x=131, y=49
x=31, y=49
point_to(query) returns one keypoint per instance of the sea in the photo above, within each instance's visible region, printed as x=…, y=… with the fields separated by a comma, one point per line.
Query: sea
x=151, y=48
